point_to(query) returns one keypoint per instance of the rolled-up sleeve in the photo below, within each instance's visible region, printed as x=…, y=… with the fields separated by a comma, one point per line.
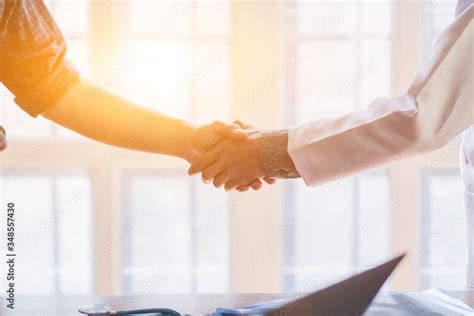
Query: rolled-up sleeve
x=33, y=63
x=437, y=107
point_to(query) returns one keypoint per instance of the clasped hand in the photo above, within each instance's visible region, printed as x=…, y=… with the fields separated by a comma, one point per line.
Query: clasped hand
x=227, y=155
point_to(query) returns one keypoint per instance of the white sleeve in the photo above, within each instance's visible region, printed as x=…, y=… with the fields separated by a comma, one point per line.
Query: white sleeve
x=437, y=107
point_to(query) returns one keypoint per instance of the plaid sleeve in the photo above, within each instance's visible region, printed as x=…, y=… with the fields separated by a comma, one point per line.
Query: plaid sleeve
x=33, y=66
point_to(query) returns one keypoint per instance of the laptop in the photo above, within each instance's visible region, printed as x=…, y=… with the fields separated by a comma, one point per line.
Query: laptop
x=349, y=297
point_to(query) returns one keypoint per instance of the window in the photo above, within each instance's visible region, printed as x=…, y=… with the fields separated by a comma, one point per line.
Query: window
x=437, y=16
x=341, y=57
x=444, y=248
x=53, y=231
x=336, y=230
x=172, y=56
x=181, y=53
x=174, y=243
x=342, y=63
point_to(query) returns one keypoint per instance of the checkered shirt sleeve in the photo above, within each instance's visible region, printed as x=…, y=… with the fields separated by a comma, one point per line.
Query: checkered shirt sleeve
x=32, y=50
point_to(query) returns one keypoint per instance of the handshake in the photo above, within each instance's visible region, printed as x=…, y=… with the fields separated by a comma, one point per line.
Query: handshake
x=239, y=156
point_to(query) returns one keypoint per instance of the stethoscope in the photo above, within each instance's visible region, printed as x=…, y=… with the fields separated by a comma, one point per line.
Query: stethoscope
x=104, y=310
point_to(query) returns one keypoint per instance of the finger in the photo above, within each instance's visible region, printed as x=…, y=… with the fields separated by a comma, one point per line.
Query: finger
x=206, y=138
x=256, y=185
x=221, y=179
x=3, y=139
x=231, y=131
x=230, y=185
x=205, y=181
x=245, y=126
x=212, y=171
x=269, y=180
x=204, y=161
x=240, y=124
x=243, y=188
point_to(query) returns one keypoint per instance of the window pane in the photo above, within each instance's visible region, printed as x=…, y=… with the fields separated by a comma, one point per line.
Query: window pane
x=326, y=18
x=343, y=63
x=375, y=16
x=213, y=17
x=211, y=81
x=162, y=17
x=324, y=70
x=443, y=255
x=34, y=236
x=372, y=237
x=158, y=243
x=53, y=231
x=75, y=235
x=185, y=224
x=158, y=74
x=437, y=16
x=373, y=77
x=211, y=239
x=353, y=214
x=320, y=215
x=71, y=16
x=443, y=14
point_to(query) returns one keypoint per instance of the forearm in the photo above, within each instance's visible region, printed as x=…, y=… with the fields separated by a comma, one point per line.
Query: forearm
x=107, y=118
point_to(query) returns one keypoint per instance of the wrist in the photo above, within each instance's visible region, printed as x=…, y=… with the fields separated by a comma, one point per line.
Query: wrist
x=186, y=149
x=274, y=156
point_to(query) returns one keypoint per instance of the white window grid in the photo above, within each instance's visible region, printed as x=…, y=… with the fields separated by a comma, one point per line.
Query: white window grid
x=60, y=212
x=294, y=39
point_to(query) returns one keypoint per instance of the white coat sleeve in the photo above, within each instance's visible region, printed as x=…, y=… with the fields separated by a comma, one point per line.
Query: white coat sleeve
x=438, y=105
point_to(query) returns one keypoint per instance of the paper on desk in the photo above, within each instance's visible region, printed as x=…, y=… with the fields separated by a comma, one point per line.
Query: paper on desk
x=256, y=309
x=435, y=302
x=430, y=302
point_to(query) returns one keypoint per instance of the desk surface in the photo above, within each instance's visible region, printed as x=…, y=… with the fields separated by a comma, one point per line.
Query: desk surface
x=68, y=305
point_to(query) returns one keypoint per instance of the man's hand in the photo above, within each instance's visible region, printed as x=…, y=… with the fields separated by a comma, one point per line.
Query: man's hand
x=207, y=136
x=3, y=139
x=204, y=138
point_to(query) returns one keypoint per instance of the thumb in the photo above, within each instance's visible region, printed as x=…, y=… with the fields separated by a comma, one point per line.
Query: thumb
x=243, y=125
x=232, y=131
x=249, y=128
x=240, y=123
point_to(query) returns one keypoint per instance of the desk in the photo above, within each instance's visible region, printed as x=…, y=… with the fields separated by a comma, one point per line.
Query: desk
x=68, y=305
